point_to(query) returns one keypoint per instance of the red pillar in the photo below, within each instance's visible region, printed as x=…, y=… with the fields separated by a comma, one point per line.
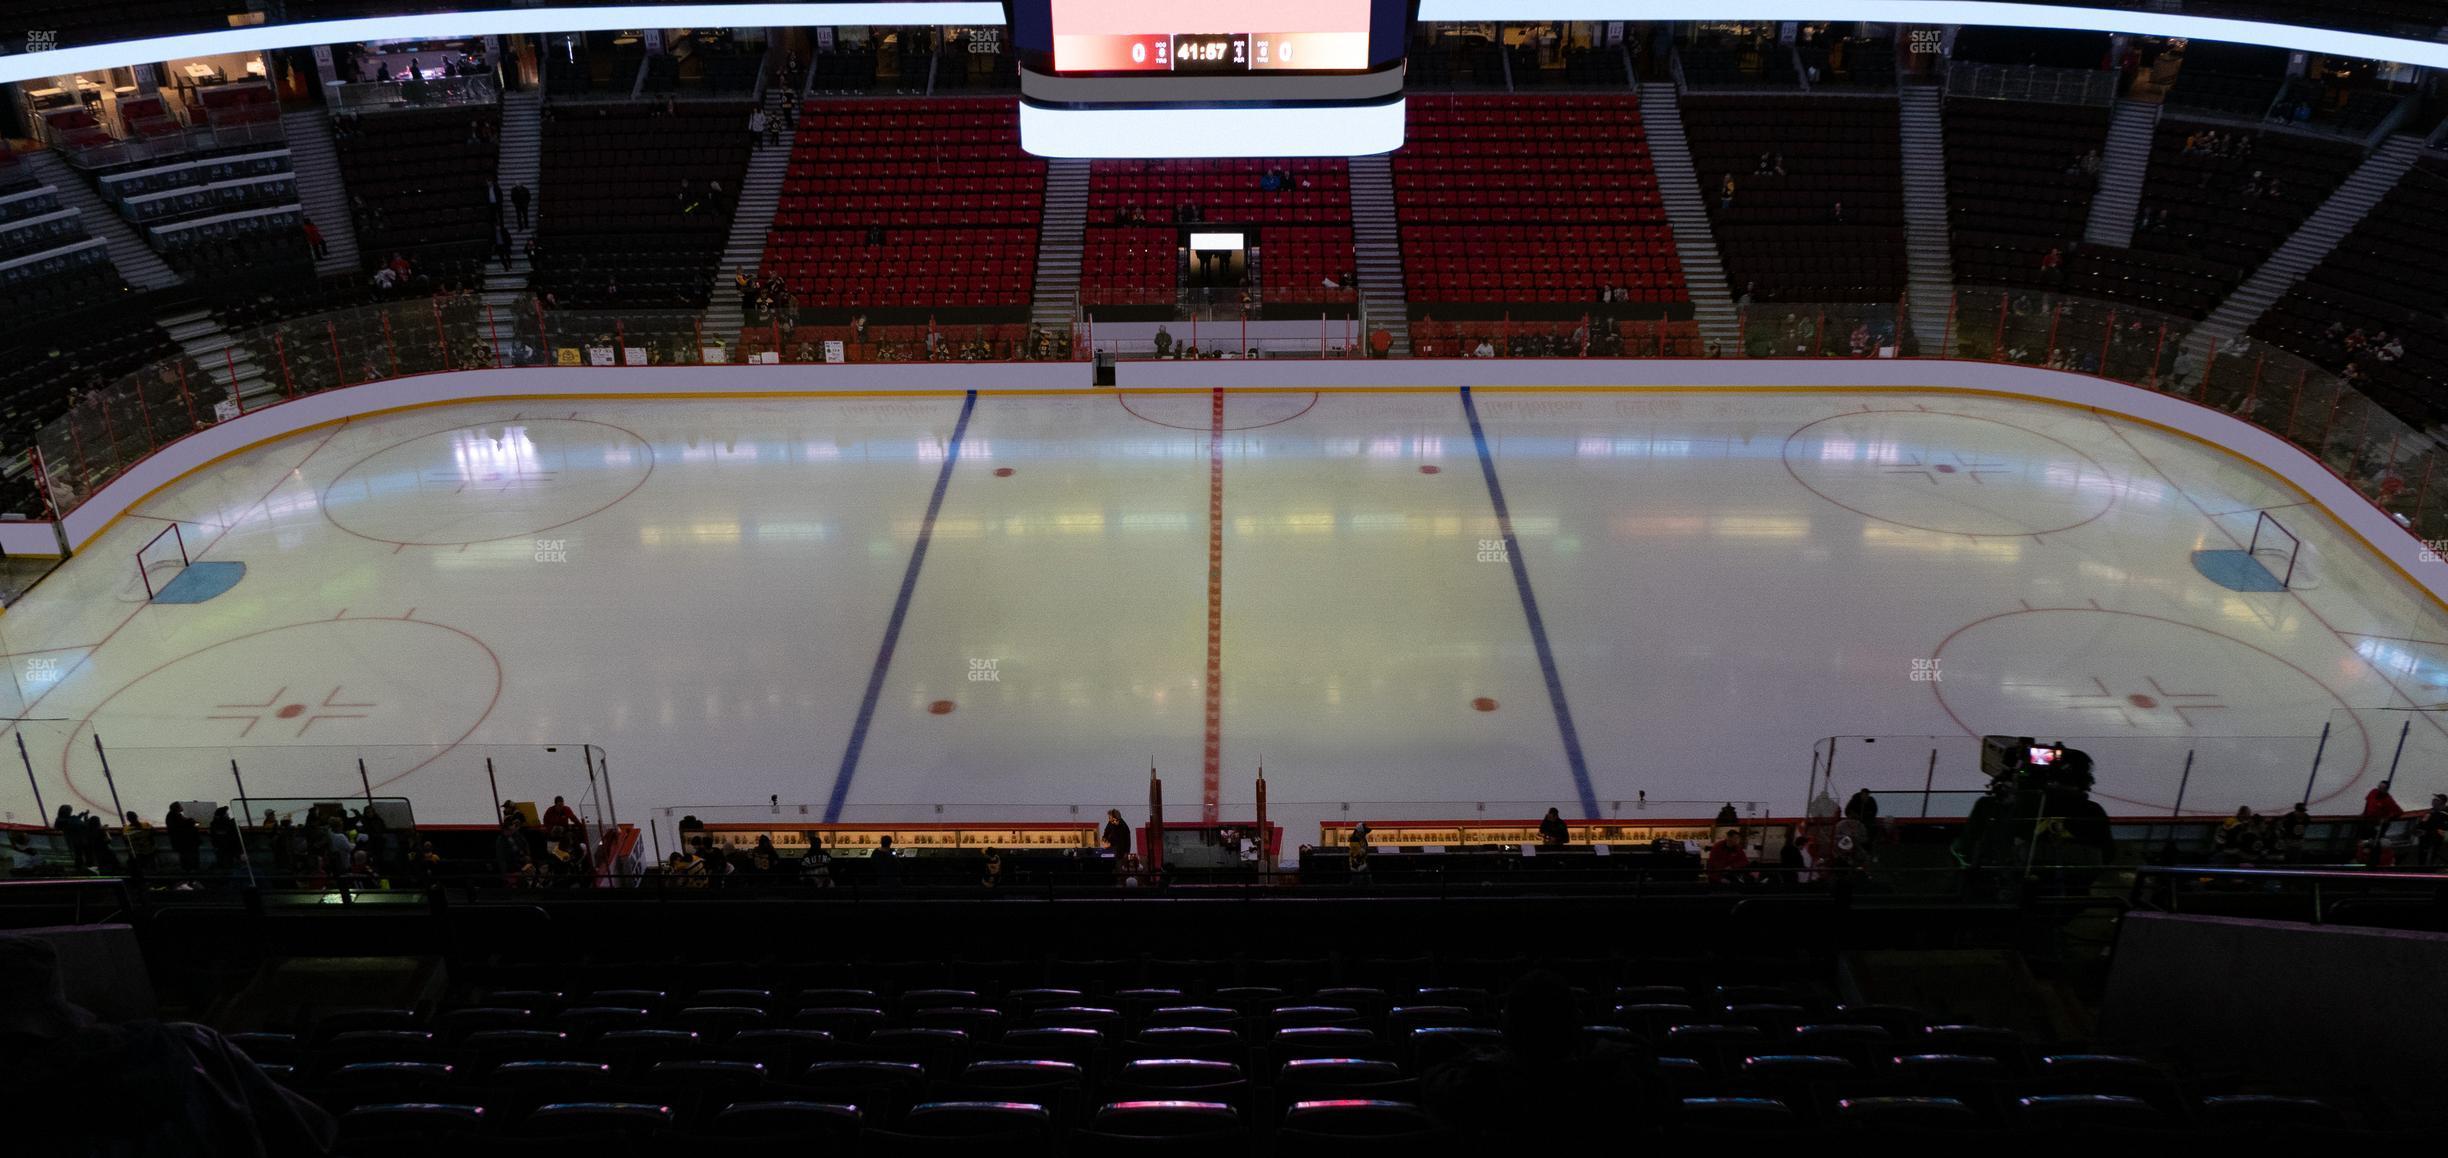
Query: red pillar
x=184, y=396
x=390, y=346
x=2201, y=392
x=2107, y=337
x=441, y=343
x=2156, y=350
x=1819, y=337
x=1997, y=349
x=2422, y=492
x=2295, y=402
x=339, y=370
x=280, y=349
x=144, y=410
x=493, y=327
x=2056, y=316
x=1946, y=337
x=231, y=363
x=543, y=336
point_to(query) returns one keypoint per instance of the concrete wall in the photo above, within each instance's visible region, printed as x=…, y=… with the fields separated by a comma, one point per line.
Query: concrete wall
x=2392, y=542
x=2326, y=1008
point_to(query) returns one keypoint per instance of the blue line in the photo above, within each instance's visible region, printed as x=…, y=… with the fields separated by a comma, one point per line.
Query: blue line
x=1530, y=611
x=900, y=612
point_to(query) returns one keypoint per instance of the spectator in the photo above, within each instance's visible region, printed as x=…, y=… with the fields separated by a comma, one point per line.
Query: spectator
x=186, y=842
x=1725, y=192
x=2379, y=808
x=1356, y=852
x=1484, y=349
x=139, y=837
x=519, y=199
x=314, y=241
x=501, y=245
x=2291, y=830
x=2230, y=840
x=70, y=829
x=228, y=849
x=815, y=866
x=1117, y=835
x=885, y=862
x=493, y=197
x=993, y=874
x=1728, y=863
x=756, y=130
x=1553, y=832
x=559, y=817
x=140, y=1087
x=1836, y=213
x=2052, y=262
x=1164, y=342
x=22, y=858
x=2431, y=831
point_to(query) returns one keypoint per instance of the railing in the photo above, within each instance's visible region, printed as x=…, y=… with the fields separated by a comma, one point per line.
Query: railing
x=167, y=146
x=2031, y=82
x=2322, y=893
x=376, y=96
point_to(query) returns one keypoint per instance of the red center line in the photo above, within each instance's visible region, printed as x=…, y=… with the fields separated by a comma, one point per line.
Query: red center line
x=1212, y=765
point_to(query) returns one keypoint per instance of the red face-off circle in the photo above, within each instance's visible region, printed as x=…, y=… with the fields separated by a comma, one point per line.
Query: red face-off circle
x=1483, y=704
x=941, y=707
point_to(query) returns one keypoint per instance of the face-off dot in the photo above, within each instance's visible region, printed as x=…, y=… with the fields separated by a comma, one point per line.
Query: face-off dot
x=1483, y=704
x=1431, y=469
x=1003, y=472
x=941, y=707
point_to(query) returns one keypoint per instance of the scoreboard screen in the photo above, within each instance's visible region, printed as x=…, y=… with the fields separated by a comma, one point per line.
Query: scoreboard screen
x=1202, y=36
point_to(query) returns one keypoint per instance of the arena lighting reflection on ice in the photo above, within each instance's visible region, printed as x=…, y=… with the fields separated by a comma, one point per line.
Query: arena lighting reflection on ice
x=257, y=38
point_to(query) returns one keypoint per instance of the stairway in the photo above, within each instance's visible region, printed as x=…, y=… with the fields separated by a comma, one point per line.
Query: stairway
x=751, y=220
x=200, y=334
x=1704, y=276
x=2124, y=162
x=319, y=186
x=2310, y=244
x=1928, y=257
x=520, y=163
x=1377, y=252
x=1061, y=240
x=138, y=264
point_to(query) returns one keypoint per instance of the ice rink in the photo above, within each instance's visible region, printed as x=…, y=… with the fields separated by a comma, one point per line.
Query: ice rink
x=1419, y=604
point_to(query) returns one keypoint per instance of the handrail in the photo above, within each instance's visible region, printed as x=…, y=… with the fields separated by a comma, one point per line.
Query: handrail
x=2331, y=876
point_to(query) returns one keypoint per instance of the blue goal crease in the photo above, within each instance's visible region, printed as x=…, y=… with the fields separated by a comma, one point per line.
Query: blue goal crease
x=1530, y=612
x=900, y=613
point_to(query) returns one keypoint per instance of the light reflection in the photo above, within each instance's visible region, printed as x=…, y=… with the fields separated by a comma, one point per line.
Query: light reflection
x=1999, y=548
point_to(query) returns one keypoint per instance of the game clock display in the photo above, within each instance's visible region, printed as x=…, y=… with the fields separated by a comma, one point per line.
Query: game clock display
x=1213, y=52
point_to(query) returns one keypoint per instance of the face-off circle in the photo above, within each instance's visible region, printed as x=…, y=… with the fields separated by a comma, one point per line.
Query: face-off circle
x=2137, y=691
x=1196, y=410
x=488, y=482
x=1953, y=473
x=297, y=705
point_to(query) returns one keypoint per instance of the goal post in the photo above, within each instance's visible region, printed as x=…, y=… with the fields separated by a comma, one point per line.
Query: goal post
x=161, y=559
x=2275, y=547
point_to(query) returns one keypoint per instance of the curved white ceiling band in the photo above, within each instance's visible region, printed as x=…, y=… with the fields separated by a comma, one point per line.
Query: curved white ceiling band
x=256, y=38
x=600, y=18
x=1996, y=13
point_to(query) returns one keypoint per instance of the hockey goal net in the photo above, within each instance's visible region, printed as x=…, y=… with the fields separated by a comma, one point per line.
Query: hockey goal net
x=160, y=560
x=2279, y=551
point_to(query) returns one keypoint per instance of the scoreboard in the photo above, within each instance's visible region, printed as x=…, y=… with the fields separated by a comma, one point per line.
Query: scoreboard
x=1155, y=78
x=1091, y=36
x=1213, y=52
